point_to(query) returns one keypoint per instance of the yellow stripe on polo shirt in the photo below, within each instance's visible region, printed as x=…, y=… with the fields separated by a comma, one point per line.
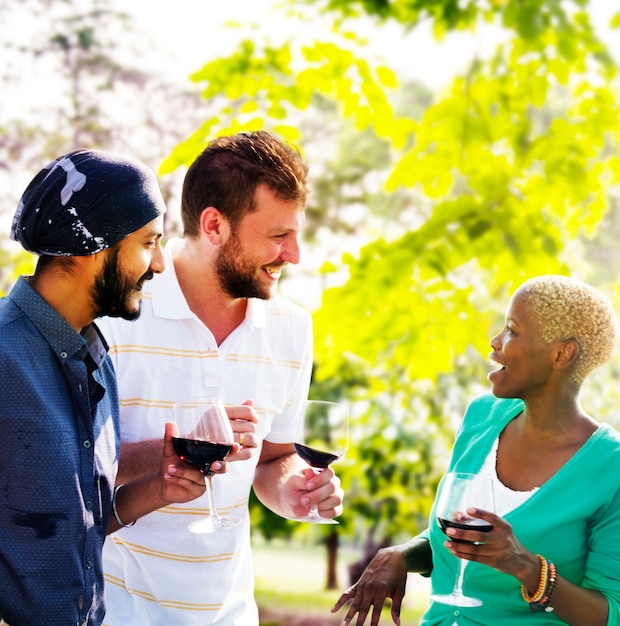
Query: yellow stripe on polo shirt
x=170, y=556
x=134, y=348
x=184, y=606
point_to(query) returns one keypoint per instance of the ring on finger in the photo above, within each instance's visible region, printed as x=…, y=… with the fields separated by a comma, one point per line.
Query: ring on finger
x=241, y=438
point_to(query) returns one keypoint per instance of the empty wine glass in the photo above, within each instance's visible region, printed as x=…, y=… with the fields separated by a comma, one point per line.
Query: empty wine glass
x=204, y=435
x=460, y=491
x=323, y=441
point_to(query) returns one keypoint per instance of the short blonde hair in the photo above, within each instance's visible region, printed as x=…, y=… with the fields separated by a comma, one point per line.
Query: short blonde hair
x=568, y=308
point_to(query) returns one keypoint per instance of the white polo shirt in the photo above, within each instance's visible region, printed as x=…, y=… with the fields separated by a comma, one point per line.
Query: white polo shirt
x=157, y=572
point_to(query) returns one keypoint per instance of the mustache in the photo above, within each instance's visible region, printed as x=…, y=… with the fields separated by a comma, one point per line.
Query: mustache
x=146, y=276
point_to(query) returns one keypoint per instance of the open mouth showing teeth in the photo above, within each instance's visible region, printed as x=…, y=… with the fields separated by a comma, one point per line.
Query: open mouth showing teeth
x=275, y=273
x=497, y=365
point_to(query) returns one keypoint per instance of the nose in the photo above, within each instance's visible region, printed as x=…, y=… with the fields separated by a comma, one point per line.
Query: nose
x=496, y=341
x=157, y=261
x=290, y=250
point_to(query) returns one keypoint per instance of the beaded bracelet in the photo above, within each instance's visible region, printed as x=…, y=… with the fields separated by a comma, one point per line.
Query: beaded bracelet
x=116, y=517
x=542, y=583
x=545, y=603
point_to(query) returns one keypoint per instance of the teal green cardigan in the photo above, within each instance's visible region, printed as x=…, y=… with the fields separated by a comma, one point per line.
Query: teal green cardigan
x=573, y=519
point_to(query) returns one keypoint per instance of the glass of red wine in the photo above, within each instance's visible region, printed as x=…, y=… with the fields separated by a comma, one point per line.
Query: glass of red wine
x=204, y=435
x=324, y=440
x=458, y=492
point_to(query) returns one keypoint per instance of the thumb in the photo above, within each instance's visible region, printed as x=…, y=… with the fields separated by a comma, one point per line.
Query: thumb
x=248, y=402
x=170, y=432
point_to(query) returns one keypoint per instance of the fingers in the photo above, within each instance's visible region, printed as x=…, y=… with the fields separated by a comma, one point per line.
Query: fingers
x=243, y=419
x=242, y=412
x=325, y=492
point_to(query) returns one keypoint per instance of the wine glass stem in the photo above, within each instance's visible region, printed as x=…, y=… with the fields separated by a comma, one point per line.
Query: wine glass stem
x=458, y=587
x=213, y=514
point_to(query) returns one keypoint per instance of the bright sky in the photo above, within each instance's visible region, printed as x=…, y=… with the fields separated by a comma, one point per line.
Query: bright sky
x=193, y=32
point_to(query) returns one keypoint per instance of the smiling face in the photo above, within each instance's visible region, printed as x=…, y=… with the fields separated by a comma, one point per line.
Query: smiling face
x=117, y=289
x=249, y=263
x=523, y=358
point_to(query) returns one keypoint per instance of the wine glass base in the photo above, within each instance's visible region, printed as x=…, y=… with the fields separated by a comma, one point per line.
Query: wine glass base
x=213, y=525
x=456, y=599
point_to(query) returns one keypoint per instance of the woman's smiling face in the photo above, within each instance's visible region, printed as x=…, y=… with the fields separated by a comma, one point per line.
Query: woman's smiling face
x=522, y=357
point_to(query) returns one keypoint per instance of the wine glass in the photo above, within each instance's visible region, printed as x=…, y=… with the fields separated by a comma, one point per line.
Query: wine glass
x=324, y=440
x=460, y=491
x=204, y=435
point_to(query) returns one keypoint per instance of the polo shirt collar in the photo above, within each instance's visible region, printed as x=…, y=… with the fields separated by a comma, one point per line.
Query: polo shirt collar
x=169, y=302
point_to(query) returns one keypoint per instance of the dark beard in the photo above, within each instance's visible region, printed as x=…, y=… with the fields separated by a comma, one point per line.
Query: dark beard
x=112, y=290
x=237, y=279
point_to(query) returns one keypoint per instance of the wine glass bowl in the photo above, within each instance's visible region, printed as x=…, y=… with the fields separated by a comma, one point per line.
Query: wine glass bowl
x=323, y=441
x=204, y=435
x=460, y=491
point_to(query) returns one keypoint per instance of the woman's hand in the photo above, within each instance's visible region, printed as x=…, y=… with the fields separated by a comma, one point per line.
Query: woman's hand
x=384, y=577
x=499, y=548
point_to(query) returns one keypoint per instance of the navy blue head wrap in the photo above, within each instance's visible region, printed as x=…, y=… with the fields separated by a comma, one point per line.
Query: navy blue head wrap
x=85, y=202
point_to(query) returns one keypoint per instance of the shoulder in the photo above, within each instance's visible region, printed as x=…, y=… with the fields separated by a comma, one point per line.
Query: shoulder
x=606, y=436
x=8, y=312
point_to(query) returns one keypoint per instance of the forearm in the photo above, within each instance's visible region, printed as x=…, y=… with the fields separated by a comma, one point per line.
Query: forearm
x=574, y=604
x=134, y=500
x=138, y=460
x=269, y=480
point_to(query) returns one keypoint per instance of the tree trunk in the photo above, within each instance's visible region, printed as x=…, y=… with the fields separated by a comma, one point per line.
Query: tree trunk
x=332, y=542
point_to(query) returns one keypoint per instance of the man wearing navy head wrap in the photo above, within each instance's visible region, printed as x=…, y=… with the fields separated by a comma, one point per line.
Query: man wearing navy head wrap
x=96, y=220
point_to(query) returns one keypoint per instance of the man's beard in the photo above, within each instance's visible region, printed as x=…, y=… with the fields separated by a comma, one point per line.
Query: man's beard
x=238, y=278
x=112, y=291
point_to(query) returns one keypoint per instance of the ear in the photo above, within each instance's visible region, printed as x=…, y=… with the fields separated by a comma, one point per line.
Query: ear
x=214, y=225
x=566, y=353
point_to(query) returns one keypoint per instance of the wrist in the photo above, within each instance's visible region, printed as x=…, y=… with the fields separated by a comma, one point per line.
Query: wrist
x=417, y=555
x=529, y=572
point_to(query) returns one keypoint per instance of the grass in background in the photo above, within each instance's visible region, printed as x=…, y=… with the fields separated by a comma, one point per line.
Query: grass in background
x=291, y=576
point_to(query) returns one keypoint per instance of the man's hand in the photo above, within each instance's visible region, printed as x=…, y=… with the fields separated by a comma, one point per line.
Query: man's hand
x=243, y=419
x=309, y=488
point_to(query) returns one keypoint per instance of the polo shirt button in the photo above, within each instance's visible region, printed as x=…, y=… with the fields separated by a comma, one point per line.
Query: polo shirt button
x=89, y=564
x=86, y=443
x=89, y=505
x=456, y=613
x=63, y=355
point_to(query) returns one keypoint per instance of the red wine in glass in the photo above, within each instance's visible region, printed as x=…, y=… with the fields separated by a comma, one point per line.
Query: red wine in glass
x=465, y=523
x=323, y=441
x=458, y=492
x=314, y=456
x=204, y=435
x=200, y=454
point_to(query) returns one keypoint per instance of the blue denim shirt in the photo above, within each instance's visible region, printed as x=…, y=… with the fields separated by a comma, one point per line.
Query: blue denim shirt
x=58, y=460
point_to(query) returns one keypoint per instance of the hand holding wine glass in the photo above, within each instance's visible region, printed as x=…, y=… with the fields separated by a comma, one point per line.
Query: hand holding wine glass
x=204, y=435
x=459, y=492
x=323, y=441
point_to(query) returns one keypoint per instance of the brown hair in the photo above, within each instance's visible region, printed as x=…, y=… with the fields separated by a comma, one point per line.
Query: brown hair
x=225, y=176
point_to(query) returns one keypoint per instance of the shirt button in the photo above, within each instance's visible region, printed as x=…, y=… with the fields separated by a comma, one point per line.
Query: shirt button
x=89, y=564
x=88, y=505
x=86, y=443
x=63, y=355
x=456, y=613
